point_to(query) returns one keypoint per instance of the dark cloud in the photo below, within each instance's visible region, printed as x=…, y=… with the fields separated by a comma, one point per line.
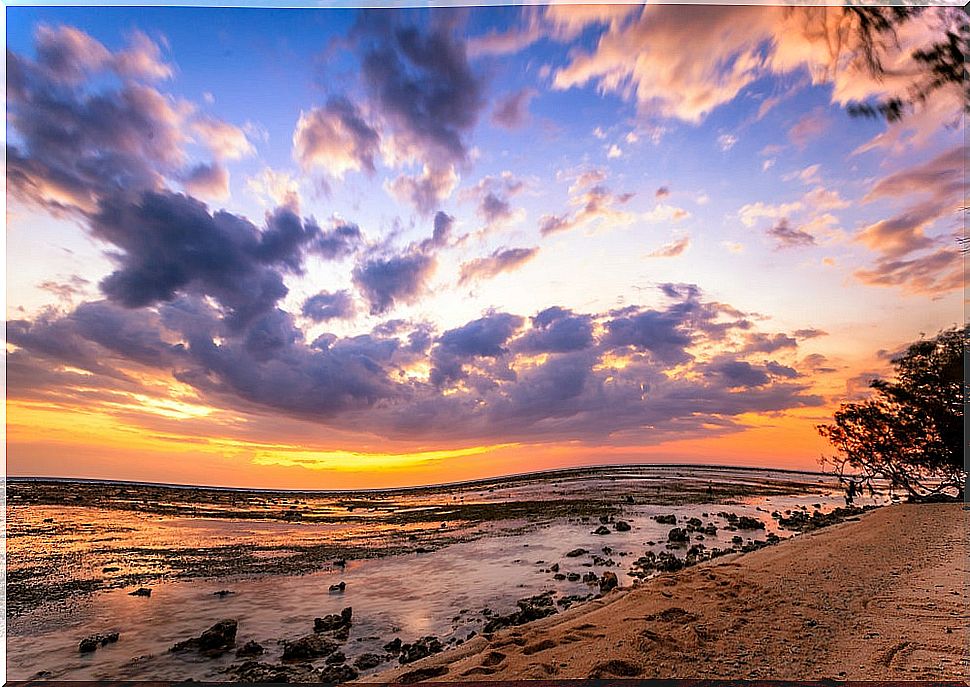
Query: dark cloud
x=809, y=333
x=760, y=342
x=421, y=83
x=329, y=306
x=787, y=236
x=170, y=243
x=663, y=333
x=662, y=192
x=342, y=240
x=207, y=181
x=557, y=330
x=387, y=281
x=739, y=373
x=484, y=337
x=502, y=260
x=443, y=224
x=512, y=110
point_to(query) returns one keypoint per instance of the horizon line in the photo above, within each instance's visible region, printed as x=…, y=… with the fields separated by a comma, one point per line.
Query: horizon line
x=436, y=485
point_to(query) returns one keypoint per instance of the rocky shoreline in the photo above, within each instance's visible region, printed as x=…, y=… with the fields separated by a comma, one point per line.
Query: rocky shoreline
x=328, y=651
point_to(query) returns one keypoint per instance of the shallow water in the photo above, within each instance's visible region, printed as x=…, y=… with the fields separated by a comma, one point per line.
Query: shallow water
x=442, y=592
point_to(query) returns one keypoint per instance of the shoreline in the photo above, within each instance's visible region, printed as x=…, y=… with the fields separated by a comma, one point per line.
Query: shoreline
x=880, y=597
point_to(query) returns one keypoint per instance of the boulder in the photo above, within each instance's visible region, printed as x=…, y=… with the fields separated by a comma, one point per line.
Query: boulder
x=308, y=648
x=622, y=526
x=368, y=661
x=601, y=530
x=678, y=535
x=420, y=648
x=250, y=648
x=339, y=587
x=141, y=591
x=338, y=673
x=666, y=519
x=576, y=553
x=92, y=642
x=218, y=638
x=608, y=582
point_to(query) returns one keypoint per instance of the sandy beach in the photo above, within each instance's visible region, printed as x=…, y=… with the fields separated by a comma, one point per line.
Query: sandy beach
x=880, y=597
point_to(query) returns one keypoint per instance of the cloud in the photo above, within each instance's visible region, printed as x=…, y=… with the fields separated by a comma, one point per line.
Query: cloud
x=420, y=83
x=340, y=241
x=595, y=203
x=640, y=374
x=787, y=236
x=484, y=337
x=209, y=181
x=933, y=273
x=276, y=187
x=656, y=57
x=726, y=141
x=557, y=330
x=502, y=260
x=335, y=138
x=425, y=191
x=512, y=110
x=170, y=243
x=388, y=281
x=662, y=192
x=809, y=127
x=226, y=141
x=326, y=306
x=493, y=195
x=672, y=249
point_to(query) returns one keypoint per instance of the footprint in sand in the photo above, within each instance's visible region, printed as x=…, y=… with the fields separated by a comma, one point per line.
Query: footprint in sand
x=422, y=674
x=615, y=668
x=544, y=645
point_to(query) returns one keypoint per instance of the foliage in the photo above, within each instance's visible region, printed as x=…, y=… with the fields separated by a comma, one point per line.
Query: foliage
x=943, y=63
x=910, y=431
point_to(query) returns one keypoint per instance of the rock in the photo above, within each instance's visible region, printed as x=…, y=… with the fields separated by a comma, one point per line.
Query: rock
x=629, y=499
x=339, y=587
x=532, y=608
x=576, y=553
x=341, y=673
x=332, y=622
x=602, y=529
x=559, y=576
x=336, y=657
x=608, y=582
x=678, y=536
x=666, y=519
x=218, y=638
x=393, y=646
x=340, y=563
x=622, y=526
x=250, y=648
x=110, y=569
x=223, y=593
x=694, y=523
x=91, y=643
x=590, y=577
x=368, y=661
x=747, y=523
x=572, y=577
x=254, y=671
x=554, y=568
x=141, y=591
x=737, y=540
x=421, y=648
x=308, y=648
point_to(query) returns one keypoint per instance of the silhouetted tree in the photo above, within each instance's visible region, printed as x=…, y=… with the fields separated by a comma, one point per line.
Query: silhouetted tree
x=911, y=431
x=943, y=64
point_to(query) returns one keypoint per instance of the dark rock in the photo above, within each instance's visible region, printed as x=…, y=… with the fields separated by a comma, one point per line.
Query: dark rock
x=421, y=648
x=532, y=608
x=308, y=648
x=422, y=674
x=576, y=553
x=336, y=657
x=141, y=591
x=368, y=661
x=666, y=519
x=737, y=540
x=393, y=646
x=554, y=567
x=339, y=587
x=223, y=593
x=110, y=569
x=590, y=577
x=91, y=643
x=747, y=523
x=254, y=671
x=608, y=582
x=339, y=673
x=218, y=638
x=602, y=529
x=250, y=648
x=333, y=622
x=678, y=536
x=622, y=526
x=572, y=577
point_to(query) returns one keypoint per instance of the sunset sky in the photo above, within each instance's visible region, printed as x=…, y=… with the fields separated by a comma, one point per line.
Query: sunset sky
x=340, y=248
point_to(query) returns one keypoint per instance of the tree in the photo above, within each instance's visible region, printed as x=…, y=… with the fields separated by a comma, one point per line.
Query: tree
x=910, y=432
x=941, y=65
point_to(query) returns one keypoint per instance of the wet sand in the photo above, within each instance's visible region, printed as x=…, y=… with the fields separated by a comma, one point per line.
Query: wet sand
x=881, y=597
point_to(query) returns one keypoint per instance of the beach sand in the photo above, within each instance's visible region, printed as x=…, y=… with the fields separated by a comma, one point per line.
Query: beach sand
x=881, y=597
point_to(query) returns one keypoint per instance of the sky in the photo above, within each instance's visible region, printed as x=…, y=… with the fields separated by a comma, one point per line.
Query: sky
x=339, y=248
